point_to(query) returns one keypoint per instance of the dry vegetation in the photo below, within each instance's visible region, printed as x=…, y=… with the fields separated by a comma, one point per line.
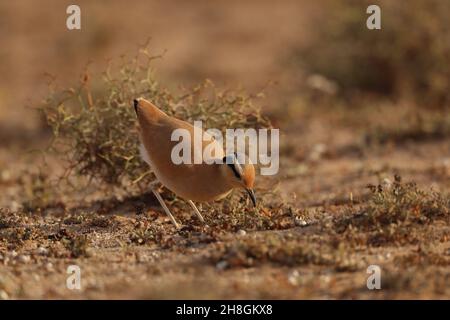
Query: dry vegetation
x=365, y=156
x=96, y=130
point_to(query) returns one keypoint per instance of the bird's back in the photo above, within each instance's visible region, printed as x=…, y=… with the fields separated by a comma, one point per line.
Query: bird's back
x=197, y=182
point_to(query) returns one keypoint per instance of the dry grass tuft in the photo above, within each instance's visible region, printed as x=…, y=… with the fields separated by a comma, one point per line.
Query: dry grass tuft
x=393, y=62
x=416, y=127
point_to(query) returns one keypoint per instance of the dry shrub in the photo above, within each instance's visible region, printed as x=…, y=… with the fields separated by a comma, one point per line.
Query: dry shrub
x=94, y=124
x=405, y=201
x=393, y=212
x=409, y=56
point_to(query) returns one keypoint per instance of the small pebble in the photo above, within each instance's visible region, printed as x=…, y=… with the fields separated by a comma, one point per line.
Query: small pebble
x=24, y=258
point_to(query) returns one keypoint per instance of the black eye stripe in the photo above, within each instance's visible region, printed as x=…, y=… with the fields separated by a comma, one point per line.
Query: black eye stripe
x=235, y=166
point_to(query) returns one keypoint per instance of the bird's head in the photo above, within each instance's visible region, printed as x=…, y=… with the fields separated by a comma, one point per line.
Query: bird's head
x=240, y=173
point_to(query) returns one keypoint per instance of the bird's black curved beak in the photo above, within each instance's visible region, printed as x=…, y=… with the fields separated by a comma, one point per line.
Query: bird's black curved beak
x=251, y=193
x=135, y=104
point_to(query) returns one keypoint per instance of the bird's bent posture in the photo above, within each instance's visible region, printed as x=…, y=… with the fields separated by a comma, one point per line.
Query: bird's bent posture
x=192, y=182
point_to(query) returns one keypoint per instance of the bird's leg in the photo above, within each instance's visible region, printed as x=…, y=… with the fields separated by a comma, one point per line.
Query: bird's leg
x=161, y=201
x=196, y=211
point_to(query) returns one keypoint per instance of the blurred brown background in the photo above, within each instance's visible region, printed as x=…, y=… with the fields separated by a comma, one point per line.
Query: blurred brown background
x=230, y=42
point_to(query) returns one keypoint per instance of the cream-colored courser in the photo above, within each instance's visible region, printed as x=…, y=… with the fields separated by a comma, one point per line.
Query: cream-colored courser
x=193, y=182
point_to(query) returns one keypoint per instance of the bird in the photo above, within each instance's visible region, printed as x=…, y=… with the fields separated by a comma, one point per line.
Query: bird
x=203, y=182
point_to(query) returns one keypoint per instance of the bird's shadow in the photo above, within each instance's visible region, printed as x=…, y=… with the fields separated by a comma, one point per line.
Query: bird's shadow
x=133, y=204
